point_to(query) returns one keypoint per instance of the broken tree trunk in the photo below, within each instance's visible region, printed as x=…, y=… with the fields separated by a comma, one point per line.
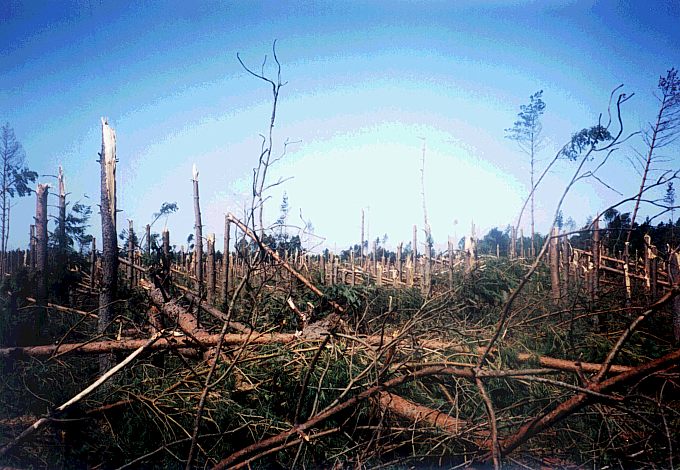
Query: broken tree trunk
x=41, y=256
x=596, y=260
x=31, y=260
x=131, y=254
x=198, y=242
x=93, y=264
x=423, y=415
x=414, y=251
x=166, y=259
x=626, y=272
x=62, y=256
x=109, y=258
x=565, y=259
x=674, y=278
x=283, y=263
x=361, y=247
x=225, y=264
x=555, y=265
x=101, y=380
x=580, y=400
x=148, y=242
x=513, y=243
x=211, y=270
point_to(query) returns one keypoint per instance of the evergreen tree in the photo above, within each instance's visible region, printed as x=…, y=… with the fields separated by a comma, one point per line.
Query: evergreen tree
x=14, y=180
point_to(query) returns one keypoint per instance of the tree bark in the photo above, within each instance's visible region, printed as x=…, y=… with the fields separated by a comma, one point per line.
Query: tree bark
x=93, y=264
x=225, y=264
x=32, y=247
x=131, y=254
x=211, y=270
x=674, y=278
x=148, y=242
x=198, y=227
x=109, y=280
x=555, y=266
x=41, y=256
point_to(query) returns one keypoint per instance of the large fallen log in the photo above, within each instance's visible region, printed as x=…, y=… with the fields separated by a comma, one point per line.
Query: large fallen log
x=40, y=423
x=174, y=342
x=207, y=340
x=175, y=312
x=579, y=401
x=421, y=414
x=216, y=313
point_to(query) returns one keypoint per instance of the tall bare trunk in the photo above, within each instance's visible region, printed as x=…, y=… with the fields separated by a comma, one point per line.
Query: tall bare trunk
x=62, y=256
x=31, y=258
x=166, y=259
x=531, y=246
x=109, y=281
x=198, y=242
x=361, y=248
x=225, y=264
x=148, y=242
x=41, y=256
x=93, y=264
x=427, y=280
x=131, y=254
x=211, y=270
x=555, y=266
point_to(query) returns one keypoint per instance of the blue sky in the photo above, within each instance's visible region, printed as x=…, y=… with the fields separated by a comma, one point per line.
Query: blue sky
x=366, y=80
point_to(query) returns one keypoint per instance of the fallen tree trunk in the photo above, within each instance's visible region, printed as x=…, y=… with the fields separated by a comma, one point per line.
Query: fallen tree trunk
x=60, y=409
x=215, y=312
x=338, y=308
x=175, y=312
x=319, y=418
x=174, y=342
x=179, y=342
x=577, y=402
x=421, y=414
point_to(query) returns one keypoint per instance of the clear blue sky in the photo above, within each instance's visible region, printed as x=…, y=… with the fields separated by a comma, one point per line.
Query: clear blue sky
x=366, y=80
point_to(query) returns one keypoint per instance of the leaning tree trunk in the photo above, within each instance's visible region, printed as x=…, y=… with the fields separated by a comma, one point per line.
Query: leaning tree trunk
x=109, y=258
x=198, y=242
x=41, y=256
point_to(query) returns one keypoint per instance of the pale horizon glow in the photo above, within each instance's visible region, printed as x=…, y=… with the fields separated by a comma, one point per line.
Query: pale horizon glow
x=366, y=82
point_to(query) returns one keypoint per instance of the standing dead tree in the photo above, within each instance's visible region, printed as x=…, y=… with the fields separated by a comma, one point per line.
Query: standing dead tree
x=266, y=158
x=225, y=263
x=254, y=220
x=41, y=255
x=427, y=267
x=198, y=235
x=109, y=257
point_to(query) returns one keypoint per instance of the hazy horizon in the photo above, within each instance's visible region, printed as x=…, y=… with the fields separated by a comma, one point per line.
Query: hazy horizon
x=365, y=84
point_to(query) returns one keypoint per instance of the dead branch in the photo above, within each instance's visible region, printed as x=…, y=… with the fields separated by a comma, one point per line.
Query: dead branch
x=283, y=263
x=577, y=402
x=60, y=409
